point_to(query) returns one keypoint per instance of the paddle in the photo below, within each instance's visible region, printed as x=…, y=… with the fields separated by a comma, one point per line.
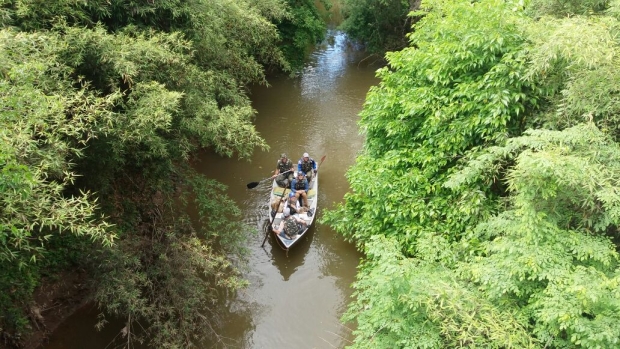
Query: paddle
x=268, y=230
x=255, y=184
x=319, y=167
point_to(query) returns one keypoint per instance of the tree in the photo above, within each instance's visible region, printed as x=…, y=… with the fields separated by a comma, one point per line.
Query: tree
x=382, y=25
x=454, y=204
x=455, y=92
x=410, y=303
x=166, y=279
x=539, y=8
x=301, y=28
x=575, y=59
x=106, y=101
x=550, y=254
x=38, y=149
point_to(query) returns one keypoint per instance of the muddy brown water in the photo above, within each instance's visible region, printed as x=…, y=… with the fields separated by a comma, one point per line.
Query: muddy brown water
x=294, y=300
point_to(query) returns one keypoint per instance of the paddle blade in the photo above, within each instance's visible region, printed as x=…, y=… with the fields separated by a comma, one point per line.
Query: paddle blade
x=252, y=185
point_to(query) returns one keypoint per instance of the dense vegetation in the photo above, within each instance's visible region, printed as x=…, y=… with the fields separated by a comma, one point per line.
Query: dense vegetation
x=102, y=105
x=487, y=196
x=382, y=25
x=302, y=26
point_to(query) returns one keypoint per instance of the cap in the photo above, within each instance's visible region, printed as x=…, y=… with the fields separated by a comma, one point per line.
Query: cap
x=283, y=155
x=306, y=155
x=301, y=173
x=291, y=195
x=286, y=212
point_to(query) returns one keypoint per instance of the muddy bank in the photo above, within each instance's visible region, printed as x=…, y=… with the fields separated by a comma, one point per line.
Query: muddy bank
x=54, y=301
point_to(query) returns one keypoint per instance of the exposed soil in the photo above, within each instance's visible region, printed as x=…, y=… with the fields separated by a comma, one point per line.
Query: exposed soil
x=54, y=301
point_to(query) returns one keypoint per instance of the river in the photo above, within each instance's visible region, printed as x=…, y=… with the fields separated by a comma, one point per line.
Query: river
x=294, y=300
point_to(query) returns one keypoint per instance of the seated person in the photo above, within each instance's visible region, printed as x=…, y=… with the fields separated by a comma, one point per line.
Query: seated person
x=290, y=226
x=300, y=187
x=293, y=205
x=307, y=165
x=284, y=171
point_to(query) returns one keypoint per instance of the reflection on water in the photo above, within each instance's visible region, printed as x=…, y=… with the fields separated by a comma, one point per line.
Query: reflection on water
x=288, y=263
x=293, y=300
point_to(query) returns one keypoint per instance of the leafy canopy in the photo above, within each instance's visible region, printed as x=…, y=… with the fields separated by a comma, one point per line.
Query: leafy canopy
x=105, y=102
x=486, y=194
x=382, y=25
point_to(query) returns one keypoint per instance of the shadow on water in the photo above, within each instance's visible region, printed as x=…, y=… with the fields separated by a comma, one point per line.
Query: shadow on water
x=79, y=332
x=289, y=263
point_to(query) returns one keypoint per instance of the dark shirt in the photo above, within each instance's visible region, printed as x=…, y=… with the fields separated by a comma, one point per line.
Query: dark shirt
x=303, y=185
x=284, y=166
x=306, y=166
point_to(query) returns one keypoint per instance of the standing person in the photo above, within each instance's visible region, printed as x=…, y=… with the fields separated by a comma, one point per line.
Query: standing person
x=307, y=165
x=284, y=165
x=300, y=187
x=289, y=226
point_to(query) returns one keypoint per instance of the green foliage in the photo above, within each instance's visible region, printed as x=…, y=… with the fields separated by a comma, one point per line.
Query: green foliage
x=406, y=303
x=302, y=27
x=538, y=8
x=38, y=14
x=550, y=252
x=168, y=274
x=45, y=124
x=469, y=225
x=16, y=287
x=382, y=25
x=39, y=144
x=456, y=91
x=154, y=69
x=576, y=59
x=231, y=40
x=107, y=100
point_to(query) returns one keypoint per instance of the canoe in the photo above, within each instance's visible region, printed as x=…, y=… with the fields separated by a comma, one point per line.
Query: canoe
x=276, y=195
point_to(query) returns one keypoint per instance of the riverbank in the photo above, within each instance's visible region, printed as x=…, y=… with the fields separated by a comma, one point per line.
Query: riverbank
x=54, y=301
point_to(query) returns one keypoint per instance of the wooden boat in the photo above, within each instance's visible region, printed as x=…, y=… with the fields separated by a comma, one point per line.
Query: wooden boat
x=276, y=195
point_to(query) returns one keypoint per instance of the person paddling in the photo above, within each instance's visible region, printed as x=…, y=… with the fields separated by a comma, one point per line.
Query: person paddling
x=307, y=165
x=284, y=171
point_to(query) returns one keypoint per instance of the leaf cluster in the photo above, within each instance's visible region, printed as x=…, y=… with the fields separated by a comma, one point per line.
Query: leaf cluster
x=381, y=25
x=449, y=96
x=38, y=143
x=486, y=196
x=103, y=104
x=407, y=303
x=301, y=28
x=539, y=8
x=551, y=252
x=167, y=278
x=44, y=125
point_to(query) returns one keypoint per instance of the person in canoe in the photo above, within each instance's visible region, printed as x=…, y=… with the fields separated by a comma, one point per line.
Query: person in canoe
x=293, y=205
x=290, y=226
x=300, y=187
x=307, y=165
x=284, y=171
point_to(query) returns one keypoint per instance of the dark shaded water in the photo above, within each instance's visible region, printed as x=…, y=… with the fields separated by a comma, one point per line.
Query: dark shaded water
x=293, y=301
